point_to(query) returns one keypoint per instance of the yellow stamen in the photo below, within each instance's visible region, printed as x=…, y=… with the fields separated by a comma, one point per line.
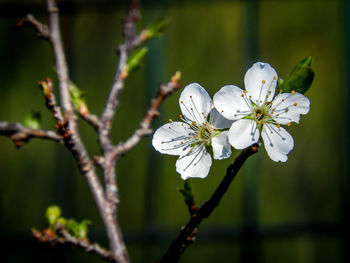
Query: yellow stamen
x=289, y=124
x=263, y=81
x=295, y=104
x=293, y=92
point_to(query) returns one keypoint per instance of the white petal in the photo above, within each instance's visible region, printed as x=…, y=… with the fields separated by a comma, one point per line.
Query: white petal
x=260, y=80
x=221, y=146
x=219, y=121
x=243, y=133
x=287, y=107
x=167, y=139
x=196, y=165
x=230, y=103
x=195, y=102
x=278, y=142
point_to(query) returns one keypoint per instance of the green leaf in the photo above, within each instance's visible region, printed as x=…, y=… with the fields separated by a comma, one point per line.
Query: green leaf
x=187, y=192
x=79, y=230
x=305, y=63
x=83, y=228
x=301, y=77
x=33, y=120
x=135, y=60
x=300, y=81
x=77, y=95
x=156, y=28
x=52, y=214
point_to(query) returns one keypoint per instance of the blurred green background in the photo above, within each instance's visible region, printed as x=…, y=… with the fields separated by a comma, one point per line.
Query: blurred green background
x=274, y=212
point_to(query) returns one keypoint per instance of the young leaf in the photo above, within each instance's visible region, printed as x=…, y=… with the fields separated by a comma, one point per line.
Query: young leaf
x=306, y=62
x=52, y=214
x=77, y=95
x=134, y=61
x=33, y=120
x=155, y=28
x=300, y=81
x=301, y=77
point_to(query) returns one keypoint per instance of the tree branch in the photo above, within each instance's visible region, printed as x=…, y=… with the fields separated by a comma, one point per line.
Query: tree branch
x=41, y=29
x=188, y=233
x=144, y=128
x=65, y=238
x=19, y=133
x=60, y=59
x=129, y=33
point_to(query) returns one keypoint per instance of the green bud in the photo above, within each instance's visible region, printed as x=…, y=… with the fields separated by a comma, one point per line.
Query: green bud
x=33, y=120
x=135, y=60
x=52, y=214
x=77, y=96
x=156, y=28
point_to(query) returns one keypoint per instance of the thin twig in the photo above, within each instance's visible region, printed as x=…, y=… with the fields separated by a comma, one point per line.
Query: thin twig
x=19, y=133
x=60, y=60
x=64, y=238
x=41, y=29
x=144, y=128
x=129, y=33
x=188, y=233
x=47, y=88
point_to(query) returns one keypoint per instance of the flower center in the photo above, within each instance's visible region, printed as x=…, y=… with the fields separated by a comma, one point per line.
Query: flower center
x=205, y=132
x=261, y=114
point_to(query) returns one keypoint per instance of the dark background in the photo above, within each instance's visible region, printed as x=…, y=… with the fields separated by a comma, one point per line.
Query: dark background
x=274, y=212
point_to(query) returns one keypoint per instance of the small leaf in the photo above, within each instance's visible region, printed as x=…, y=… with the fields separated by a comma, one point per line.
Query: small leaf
x=134, y=61
x=306, y=62
x=187, y=192
x=33, y=120
x=300, y=81
x=155, y=28
x=83, y=228
x=300, y=78
x=72, y=227
x=77, y=96
x=52, y=214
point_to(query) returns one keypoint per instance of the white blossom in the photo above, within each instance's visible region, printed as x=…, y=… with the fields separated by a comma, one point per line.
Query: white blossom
x=257, y=111
x=198, y=130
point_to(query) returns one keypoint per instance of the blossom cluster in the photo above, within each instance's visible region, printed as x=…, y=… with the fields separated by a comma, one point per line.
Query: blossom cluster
x=235, y=117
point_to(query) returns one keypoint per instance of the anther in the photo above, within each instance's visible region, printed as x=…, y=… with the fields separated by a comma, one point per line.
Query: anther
x=287, y=110
x=283, y=99
x=182, y=101
x=170, y=120
x=242, y=95
x=293, y=92
x=222, y=111
x=289, y=124
x=269, y=91
x=191, y=97
x=274, y=77
x=278, y=125
x=263, y=81
x=259, y=122
x=244, y=91
x=295, y=104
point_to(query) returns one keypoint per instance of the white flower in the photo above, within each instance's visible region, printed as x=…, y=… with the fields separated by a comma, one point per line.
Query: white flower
x=198, y=130
x=256, y=111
